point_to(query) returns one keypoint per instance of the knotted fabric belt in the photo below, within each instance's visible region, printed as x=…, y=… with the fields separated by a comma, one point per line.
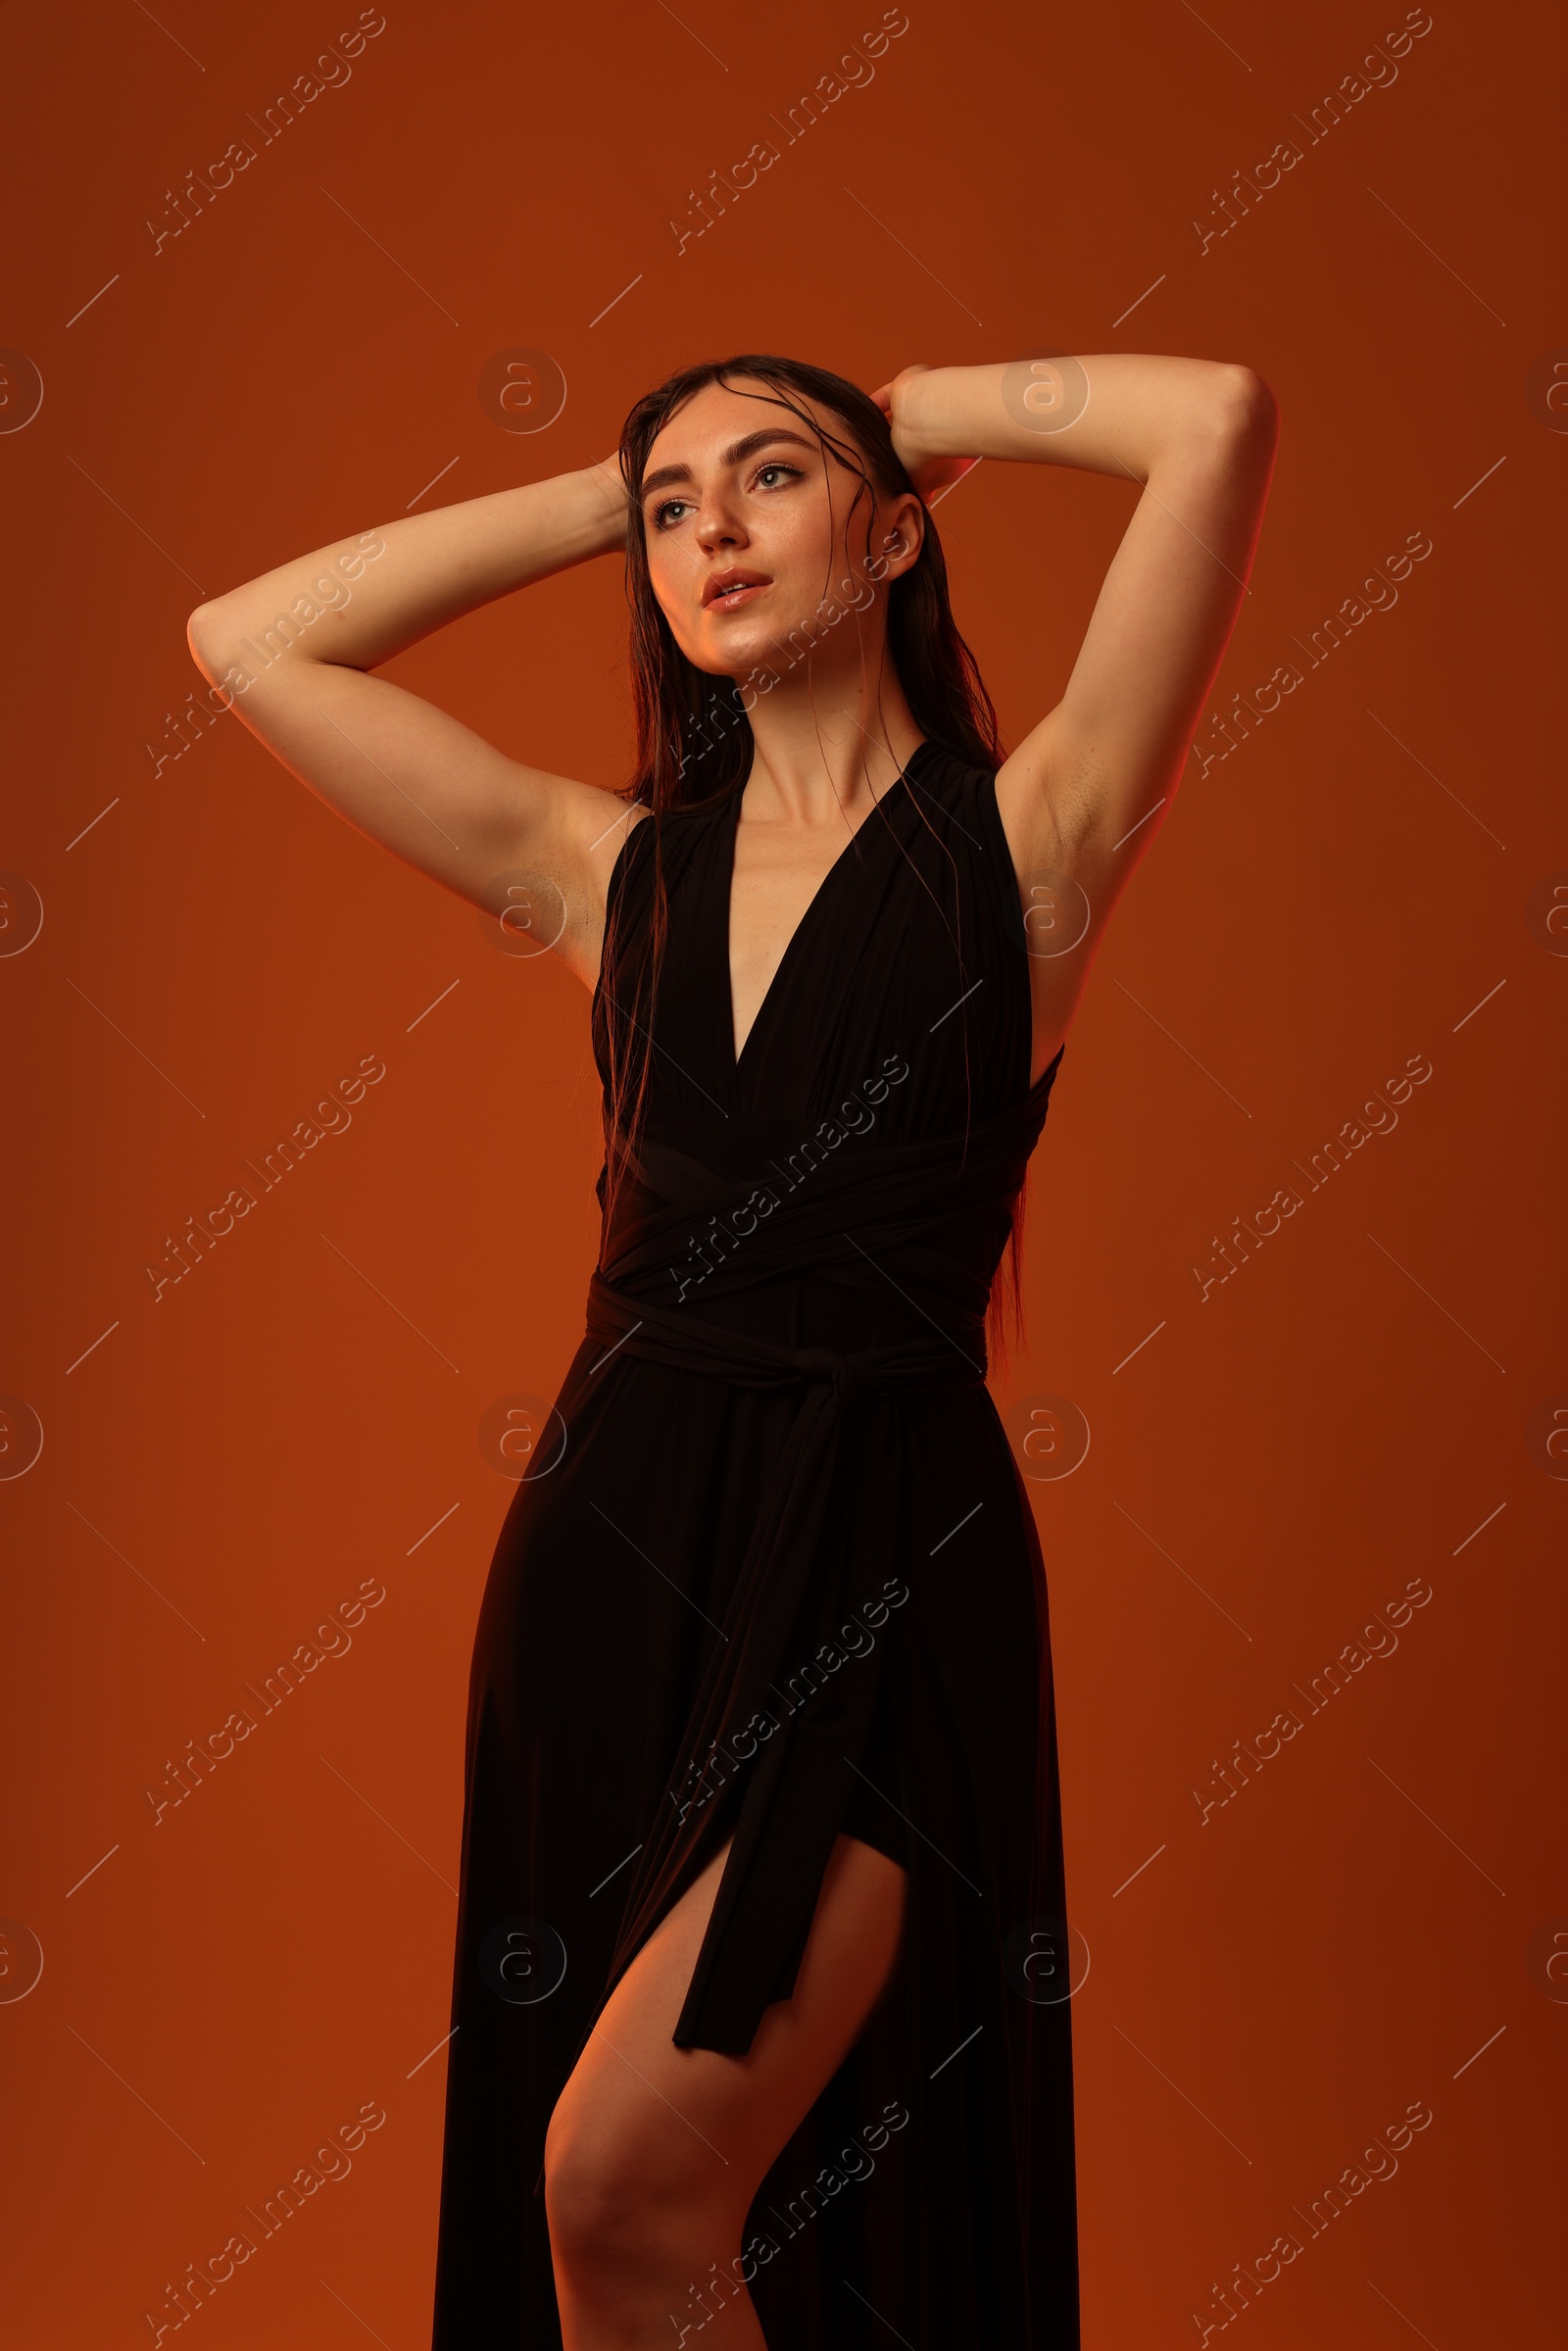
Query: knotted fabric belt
x=797, y=1753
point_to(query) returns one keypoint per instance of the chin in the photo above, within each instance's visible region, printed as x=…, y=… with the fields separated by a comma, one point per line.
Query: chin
x=741, y=651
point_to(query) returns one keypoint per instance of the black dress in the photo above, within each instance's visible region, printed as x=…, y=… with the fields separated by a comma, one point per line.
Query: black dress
x=773, y=1576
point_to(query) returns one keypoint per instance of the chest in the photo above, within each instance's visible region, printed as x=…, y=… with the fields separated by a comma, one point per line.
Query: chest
x=779, y=874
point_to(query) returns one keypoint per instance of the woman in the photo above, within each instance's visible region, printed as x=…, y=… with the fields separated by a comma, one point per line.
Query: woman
x=760, y=2008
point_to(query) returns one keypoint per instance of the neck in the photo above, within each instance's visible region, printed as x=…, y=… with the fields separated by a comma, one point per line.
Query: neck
x=828, y=742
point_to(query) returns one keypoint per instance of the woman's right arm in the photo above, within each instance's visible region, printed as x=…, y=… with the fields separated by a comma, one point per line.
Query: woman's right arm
x=294, y=649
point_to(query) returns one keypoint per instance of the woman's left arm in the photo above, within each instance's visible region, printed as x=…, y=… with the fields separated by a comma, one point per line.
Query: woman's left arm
x=1086, y=791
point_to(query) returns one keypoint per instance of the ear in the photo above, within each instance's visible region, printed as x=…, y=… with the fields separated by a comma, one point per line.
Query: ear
x=901, y=533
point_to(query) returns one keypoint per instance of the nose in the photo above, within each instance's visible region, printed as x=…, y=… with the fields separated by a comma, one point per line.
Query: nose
x=718, y=524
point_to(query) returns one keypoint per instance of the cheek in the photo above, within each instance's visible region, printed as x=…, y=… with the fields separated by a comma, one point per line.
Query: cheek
x=670, y=579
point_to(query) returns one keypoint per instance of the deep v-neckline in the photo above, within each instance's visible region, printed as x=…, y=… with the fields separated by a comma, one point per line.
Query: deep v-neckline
x=737, y=1059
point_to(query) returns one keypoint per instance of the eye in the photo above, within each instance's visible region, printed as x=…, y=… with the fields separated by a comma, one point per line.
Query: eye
x=667, y=506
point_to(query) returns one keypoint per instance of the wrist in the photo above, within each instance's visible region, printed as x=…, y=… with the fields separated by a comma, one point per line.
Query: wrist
x=927, y=414
x=605, y=494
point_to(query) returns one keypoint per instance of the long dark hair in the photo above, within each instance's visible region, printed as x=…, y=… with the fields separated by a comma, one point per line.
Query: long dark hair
x=694, y=739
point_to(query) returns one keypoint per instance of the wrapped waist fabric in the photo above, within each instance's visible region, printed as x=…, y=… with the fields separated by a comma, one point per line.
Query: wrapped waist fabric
x=760, y=1756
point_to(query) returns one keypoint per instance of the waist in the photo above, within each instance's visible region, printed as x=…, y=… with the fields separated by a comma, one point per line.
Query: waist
x=793, y=1310
x=790, y=1340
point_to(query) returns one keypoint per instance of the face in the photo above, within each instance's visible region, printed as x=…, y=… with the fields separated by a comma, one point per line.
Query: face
x=749, y=539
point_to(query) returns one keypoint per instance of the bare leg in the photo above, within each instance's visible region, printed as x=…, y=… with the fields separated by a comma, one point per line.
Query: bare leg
x=655, y=2153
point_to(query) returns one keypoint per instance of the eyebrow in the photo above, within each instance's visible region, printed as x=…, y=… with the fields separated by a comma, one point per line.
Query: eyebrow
x=735, y=454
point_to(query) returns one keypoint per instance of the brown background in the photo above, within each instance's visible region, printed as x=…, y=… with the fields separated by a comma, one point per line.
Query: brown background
x=1276, y=1984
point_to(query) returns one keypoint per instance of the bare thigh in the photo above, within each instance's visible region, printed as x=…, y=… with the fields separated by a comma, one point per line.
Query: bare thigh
x=700, y=2129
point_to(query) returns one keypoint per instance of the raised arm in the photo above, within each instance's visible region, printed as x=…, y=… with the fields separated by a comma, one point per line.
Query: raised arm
x=1087, y=790
x=294, y=649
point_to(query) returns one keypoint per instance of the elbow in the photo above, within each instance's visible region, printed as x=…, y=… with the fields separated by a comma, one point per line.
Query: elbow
x=1230, y=430
x=1246, y=412
x=213, y=633
x=204, y=636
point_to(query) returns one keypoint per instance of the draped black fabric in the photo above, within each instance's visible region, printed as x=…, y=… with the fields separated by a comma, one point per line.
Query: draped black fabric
x=775, y=1579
